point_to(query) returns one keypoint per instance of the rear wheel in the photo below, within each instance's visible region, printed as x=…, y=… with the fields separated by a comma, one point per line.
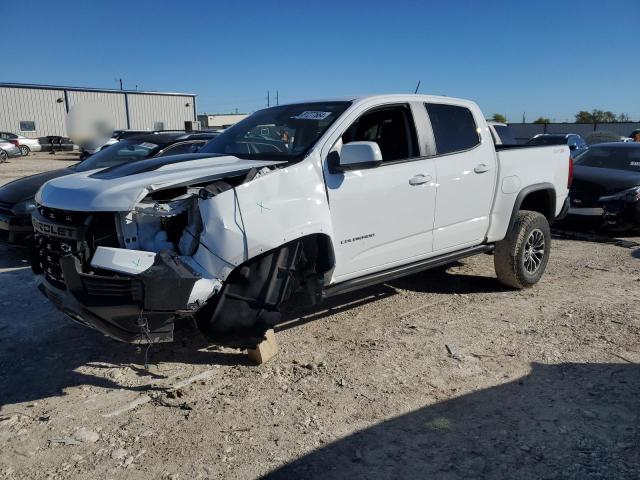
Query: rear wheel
x=24, y=150
x=521, y=258
x=3, y=156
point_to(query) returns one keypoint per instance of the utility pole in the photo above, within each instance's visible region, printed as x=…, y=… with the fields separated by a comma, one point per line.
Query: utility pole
x=268, y=99
x=524, y=117
x=120, y=84
x=277, y=99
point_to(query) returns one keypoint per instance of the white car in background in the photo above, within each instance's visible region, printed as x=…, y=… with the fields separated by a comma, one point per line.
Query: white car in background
x=26, y=145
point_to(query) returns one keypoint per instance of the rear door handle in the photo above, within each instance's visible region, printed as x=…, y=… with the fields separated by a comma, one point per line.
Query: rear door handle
x=419, y=179
x=481, y=168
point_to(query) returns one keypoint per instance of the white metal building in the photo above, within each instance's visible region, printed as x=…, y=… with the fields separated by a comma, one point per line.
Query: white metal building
x=220, y=120
x=40, y=110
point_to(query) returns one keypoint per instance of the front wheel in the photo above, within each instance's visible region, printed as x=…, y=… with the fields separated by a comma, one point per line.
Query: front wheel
x=3, y=156
x=521, y=258
x=24, y=150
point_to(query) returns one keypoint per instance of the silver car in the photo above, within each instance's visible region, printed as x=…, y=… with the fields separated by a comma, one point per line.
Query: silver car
x=26, y=145
x=8, y=150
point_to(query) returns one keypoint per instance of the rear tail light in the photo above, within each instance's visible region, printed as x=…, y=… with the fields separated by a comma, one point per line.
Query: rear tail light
x=15, y=142
x=570, y=178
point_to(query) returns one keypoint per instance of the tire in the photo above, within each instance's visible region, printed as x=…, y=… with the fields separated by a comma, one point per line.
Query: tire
x=24, y=150
x=521, y=258
x=3, y=156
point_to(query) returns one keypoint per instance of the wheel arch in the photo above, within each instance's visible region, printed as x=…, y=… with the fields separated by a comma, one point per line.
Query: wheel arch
x=539, y=197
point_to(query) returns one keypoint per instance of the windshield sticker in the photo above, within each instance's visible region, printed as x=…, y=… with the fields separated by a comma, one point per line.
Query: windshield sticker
x=312, y=115
x=148, y=145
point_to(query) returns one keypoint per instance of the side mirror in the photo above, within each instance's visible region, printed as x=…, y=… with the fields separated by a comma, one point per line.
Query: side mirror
x=355, y=156
x=573, y=147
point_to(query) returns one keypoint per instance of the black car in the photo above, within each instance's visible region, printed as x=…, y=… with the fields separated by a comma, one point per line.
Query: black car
x=575, y=142
x=606, y=186
x=17, y=197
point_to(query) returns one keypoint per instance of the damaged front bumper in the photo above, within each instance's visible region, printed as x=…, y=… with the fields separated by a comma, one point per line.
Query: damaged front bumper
x=138, y=308
x=613, y=213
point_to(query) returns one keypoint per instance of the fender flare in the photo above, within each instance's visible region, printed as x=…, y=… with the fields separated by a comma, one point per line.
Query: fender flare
x=536, y=187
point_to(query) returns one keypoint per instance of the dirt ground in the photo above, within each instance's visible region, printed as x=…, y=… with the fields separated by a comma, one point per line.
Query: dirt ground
x=444, y=374
x=20, y=167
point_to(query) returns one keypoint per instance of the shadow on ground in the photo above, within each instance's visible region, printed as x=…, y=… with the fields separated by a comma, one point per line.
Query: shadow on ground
x=568, y=421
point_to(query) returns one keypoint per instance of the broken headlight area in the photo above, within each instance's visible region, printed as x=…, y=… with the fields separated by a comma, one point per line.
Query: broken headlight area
x=630, y=195
x=621, y=209
x=157, y=224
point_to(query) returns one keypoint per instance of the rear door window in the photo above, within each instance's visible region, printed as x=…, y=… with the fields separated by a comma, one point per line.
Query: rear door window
x=506, y=134
x=453, y=126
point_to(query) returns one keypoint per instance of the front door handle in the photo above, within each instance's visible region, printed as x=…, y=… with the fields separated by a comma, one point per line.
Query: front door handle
x=481, y=168
x=420, y=179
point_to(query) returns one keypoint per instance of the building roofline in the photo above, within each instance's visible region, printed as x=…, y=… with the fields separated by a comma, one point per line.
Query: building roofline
x=221, y=114
x=90, y=89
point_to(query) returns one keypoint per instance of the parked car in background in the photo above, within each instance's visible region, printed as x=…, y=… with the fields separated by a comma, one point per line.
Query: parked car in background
x=90, y=149
x=603, y=136
x=26, y=145
x=502, y=133
x=575, y=142
x=16, y=198
x=606, y=186
x=9, y=150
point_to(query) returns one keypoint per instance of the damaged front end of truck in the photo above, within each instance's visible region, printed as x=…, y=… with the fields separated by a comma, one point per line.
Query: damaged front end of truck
x=141, y=256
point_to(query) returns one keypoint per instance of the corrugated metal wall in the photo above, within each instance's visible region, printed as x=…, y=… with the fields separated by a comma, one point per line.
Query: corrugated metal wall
x=146, y=110
x=110, y=104
x=47, y=107
x=32, y=105
x=524, y=131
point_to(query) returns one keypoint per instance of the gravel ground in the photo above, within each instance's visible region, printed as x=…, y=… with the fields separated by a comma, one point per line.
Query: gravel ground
x=444, y=374
x=20, y=167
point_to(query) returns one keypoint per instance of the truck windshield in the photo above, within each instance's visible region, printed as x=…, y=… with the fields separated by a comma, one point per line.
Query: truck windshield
x=284, y=132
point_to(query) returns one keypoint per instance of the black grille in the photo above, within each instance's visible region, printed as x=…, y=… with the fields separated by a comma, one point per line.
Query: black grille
x=123, y=288
x=47, y=250
x=47, y=253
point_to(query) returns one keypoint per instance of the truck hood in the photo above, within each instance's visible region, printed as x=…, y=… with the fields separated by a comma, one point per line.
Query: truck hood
x=25, y=188
x=118, y=189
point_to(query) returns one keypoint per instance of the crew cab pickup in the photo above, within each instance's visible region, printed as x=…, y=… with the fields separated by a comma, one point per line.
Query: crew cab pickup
x=320, y=197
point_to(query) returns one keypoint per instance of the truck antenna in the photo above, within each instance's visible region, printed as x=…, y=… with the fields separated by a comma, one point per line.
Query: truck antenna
x=417, y=87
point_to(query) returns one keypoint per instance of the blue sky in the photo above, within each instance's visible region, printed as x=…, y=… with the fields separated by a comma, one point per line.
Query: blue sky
x=549, y=58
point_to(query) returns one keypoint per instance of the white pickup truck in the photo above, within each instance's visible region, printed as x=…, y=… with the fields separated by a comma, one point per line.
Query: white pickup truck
x=322, y=197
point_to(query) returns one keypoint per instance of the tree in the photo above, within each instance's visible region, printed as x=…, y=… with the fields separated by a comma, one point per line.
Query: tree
x=584, y=117
x=623, y=117
x=600, y=116
x=542, y=120
x=498, y=117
